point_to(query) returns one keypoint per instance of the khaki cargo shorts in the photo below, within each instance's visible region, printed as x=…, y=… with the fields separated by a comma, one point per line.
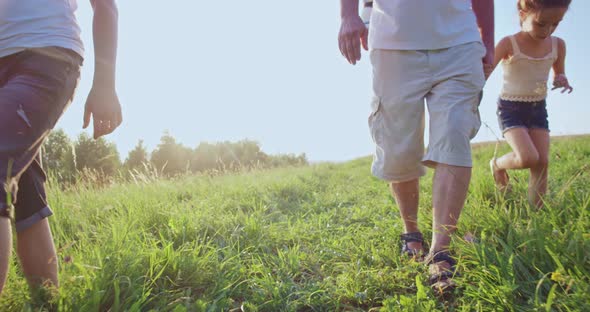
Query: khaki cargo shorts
x=449, y=81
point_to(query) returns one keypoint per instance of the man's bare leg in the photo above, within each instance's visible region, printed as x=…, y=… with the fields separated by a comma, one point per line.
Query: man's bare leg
x=449, y=192
x=5, y=249
x=37, y=255
x=406, y=195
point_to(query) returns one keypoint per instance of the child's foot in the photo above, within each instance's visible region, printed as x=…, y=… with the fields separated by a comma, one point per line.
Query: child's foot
x=501, y=178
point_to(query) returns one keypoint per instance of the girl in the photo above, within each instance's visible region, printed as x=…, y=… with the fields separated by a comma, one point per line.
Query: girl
x=527, y=58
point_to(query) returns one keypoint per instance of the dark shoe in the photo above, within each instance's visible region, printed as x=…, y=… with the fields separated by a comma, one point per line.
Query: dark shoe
x=441, y=277
x=415, y=237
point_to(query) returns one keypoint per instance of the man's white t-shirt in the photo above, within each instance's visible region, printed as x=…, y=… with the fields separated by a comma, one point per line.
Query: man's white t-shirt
x=422, y=24
x=26, y=24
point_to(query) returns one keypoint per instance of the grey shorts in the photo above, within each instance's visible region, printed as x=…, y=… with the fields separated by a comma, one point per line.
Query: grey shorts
x=36, y=86
x=450, y=82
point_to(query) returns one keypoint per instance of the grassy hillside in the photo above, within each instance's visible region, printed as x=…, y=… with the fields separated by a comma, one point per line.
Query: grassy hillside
x=319, y=238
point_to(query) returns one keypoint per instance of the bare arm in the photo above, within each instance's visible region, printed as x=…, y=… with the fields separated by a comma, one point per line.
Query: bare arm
x=484, y=12
x=349, y=8
x=103, y=103
x=560, y=80
x=559, y=65
x=353, y=32
x=502, y=51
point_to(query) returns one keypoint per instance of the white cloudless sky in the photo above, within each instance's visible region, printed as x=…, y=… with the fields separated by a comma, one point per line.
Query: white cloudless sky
x=270, y=71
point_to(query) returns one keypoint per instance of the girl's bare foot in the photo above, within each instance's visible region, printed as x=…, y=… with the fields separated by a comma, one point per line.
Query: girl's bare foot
x=501, y=177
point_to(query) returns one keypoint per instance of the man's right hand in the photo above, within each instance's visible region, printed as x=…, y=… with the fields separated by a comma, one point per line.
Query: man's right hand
x=103, y=107
x=488, y=63
x=353, y=33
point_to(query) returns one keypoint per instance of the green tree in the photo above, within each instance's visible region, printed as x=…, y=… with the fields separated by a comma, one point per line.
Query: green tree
x=288, y=160
x=250, y=153
x=204, y=157
x=137, y=157
x=58, y=156
x=98, y=155
x=169, y=157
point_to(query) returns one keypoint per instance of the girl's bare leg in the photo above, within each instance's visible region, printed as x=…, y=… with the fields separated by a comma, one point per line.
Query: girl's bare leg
x=539, y=173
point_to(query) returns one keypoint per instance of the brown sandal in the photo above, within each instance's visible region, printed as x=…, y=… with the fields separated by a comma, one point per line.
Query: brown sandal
x=442, y=279
x=414, y=237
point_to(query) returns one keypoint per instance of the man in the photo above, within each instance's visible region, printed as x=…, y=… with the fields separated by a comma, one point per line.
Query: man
x=40, y=58
x=424, y=50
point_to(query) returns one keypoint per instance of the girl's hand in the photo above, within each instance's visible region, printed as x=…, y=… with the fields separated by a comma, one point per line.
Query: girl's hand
x=561, y=82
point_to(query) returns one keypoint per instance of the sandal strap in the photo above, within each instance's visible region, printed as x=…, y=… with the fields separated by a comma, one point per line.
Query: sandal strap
x=443, y=256
x=409, y=238
x=443, y=276
x=412, y=237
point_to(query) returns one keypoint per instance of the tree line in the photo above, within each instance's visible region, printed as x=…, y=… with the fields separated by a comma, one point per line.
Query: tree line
x=68, y=160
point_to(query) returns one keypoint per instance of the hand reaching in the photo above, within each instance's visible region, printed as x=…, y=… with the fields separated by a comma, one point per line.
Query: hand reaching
x=561, y=82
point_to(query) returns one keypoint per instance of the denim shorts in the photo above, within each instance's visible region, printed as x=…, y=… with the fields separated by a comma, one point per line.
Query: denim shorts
x=36, y=86
x=515, y=114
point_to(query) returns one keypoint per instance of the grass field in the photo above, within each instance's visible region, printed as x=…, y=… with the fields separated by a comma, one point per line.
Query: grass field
x=318, y=238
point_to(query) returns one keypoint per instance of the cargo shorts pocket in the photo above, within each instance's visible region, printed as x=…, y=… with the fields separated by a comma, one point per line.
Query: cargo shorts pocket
x=15, y=124
x=476, y=117
x=375, y=124
x=476, y=125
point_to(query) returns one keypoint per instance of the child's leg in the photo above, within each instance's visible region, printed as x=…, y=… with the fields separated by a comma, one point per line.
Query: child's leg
x=5, y=249
x=539, y=172
x=524, y=152
x=514, y=119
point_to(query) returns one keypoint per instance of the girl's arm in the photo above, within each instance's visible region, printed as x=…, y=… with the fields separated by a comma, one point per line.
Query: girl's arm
x=560, y=80
x=502, y=51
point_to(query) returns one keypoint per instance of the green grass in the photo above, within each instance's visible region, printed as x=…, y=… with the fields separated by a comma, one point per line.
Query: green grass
x=319, y=238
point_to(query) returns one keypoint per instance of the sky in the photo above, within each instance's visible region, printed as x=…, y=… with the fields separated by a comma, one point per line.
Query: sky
x=271, y=71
